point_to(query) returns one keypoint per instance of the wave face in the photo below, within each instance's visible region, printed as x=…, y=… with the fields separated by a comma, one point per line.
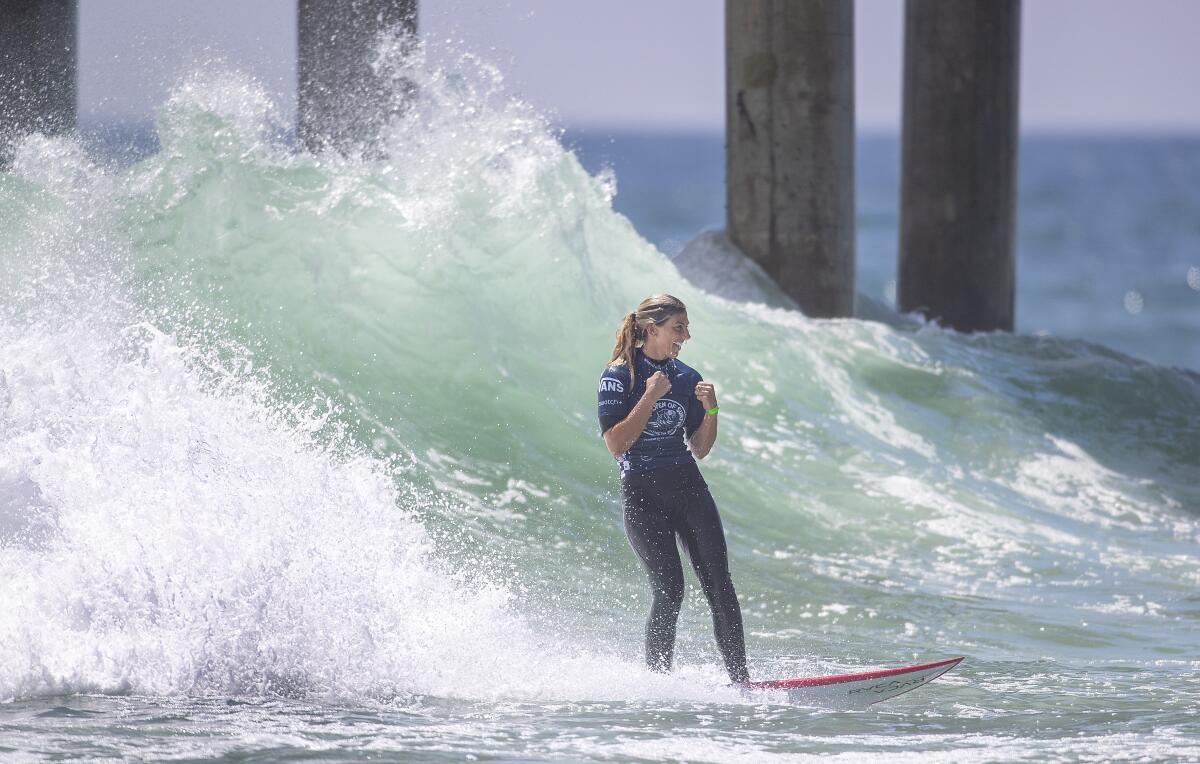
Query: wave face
x=282, y=424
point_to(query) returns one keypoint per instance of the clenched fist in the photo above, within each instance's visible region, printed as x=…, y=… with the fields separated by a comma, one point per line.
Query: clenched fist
x=707, y=393
x=658, y=385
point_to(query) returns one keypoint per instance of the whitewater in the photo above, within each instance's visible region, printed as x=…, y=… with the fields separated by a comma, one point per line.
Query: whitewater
x=299, y=457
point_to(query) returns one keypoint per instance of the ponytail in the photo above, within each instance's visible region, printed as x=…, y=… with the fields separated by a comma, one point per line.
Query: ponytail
x=627, y=342
x=655, y=309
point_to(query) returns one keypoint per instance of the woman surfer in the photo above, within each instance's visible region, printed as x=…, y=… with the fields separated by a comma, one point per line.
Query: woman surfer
x=650, y=404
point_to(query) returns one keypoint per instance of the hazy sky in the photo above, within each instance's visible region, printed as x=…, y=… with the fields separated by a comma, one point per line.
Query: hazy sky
x=1097, y=65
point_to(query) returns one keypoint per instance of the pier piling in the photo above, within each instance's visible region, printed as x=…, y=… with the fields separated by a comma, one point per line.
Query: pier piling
x=343, y=101
x=790, y=145
x=958, y=177
x=37, y=69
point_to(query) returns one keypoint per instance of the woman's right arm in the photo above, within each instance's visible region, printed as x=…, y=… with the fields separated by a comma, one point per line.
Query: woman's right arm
x=622, y=435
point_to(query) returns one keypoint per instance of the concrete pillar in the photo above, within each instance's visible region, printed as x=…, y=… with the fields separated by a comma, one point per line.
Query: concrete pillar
x=789, y=115
x=341, y=102
x=37, y=68
x=958, y=177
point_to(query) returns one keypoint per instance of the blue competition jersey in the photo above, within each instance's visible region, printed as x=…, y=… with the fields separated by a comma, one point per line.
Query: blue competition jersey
x=675, y=414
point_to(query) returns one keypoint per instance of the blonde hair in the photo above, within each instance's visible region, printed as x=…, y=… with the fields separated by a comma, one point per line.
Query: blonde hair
x=655, y=309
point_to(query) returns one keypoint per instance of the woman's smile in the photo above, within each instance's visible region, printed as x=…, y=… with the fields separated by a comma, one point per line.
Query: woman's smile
x=666, y=340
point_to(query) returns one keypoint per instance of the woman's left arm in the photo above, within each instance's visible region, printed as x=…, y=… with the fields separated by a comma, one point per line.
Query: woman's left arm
x=705, y=435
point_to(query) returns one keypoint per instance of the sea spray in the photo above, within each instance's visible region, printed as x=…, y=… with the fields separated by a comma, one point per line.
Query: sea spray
x=172, y=525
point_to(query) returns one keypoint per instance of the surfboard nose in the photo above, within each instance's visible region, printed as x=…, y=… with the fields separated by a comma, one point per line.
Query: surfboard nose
x=858, y=689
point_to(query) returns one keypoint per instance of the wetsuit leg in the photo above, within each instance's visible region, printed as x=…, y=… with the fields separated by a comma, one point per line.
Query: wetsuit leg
x=700, y=531
x=649, y=530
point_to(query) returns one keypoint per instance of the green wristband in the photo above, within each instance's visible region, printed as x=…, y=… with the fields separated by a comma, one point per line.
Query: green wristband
x=713, y=410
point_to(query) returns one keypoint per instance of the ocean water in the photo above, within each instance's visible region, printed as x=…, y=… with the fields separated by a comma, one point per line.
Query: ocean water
x=298, y=455
x=1108, y=238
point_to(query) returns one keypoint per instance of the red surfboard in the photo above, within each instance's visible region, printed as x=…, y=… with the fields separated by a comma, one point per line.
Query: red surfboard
x=856, y=690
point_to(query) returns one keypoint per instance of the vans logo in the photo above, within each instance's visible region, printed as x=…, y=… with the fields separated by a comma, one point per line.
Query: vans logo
x=611, y=386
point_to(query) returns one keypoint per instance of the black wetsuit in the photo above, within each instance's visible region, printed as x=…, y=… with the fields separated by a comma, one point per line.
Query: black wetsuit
x=664, y=497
